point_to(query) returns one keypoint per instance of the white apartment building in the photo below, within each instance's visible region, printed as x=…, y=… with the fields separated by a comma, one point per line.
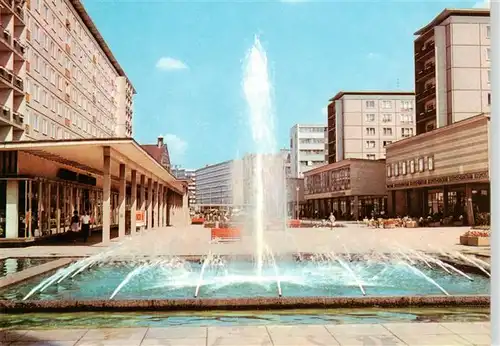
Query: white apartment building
x=190, y=175
x=307, y=148
x=452, y=68
x=361, y=124
x=60, y=79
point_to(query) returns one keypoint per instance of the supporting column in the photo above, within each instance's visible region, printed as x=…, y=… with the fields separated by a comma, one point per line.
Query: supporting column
x=160, y=205
x=133, y=202
x=156, y=195
x=121, y=202
x=150, y=204
x=58, y=209
x=40, y=207
x=106, y=196
x=11, y=210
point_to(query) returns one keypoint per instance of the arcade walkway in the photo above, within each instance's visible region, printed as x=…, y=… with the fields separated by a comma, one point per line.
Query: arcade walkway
x=42, y=183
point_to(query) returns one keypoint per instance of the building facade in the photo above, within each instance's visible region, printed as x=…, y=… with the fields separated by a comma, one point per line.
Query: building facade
x=188, y=175
x=362, y=124
x=452, y=68
x=351, y=189
x=73, y=85
x=159, y=152
x=307, y=148
x=442, y=173
x=214, y=184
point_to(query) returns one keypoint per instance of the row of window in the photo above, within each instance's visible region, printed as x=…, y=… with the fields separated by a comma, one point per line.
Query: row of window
x=49, y=69
x=372, y=144
x=386, y=104
x=410, y=166
x=311, y=140
x=387, y=118
x=54, y=18
x=312, y=129
x=49, y=128
x=387, y=131
x=48, y=100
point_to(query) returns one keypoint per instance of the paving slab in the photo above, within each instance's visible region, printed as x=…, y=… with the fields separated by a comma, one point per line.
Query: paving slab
x=175, y=342
x=54, y=335
x=357, y=329
x=309, y=340
x=176, y=333
x=371, y=340
x=104, y=334
x=434, y=340
x=417, y=328
x=277, y=332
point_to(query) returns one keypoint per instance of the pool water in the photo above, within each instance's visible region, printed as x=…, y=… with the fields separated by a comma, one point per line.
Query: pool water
x=236, y=279
x=13, y=265
x=228, y=318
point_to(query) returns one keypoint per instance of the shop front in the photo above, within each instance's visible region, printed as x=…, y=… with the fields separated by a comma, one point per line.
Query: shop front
x=350, y=189
x=442, y=174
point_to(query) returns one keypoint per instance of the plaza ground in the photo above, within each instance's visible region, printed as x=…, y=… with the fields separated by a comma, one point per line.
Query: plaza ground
x=195, y=240
x=431, y=334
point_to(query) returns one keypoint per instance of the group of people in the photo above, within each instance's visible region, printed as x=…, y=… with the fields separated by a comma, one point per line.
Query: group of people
x=81, y=223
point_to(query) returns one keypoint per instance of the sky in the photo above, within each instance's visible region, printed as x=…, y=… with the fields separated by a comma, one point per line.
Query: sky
x=185, y=59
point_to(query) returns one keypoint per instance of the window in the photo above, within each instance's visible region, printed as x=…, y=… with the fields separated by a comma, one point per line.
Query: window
x=370, y=156
x=406, y=132
x=44, y=126
x=389, y=171
x=396, y=169
x=403, y=168
x=44, y=98
x=488, y=52
x=37, y=62
x=386, y=105
x=488, y=31
x=489, y=76
x=386, y=118
x=52, y=76
x=386, y=143
x=37, y=92
x=489, y=99
x=421, y=164
x=36, y=31
x=412, y=166
x=406, y=118
x=387, y=131
x=430, y=163
x=370, y=144
x=406, y=105
x=370, y=131
x=370, y=104
x=370, y=117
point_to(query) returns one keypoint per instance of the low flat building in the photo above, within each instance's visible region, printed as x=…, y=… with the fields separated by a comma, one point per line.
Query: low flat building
x=351, y=189
x=42, y=183
x=444, y=171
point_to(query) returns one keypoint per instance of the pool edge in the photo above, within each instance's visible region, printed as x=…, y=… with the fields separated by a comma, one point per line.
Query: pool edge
x=274, y=303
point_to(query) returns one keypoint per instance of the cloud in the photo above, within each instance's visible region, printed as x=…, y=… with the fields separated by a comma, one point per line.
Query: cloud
x=176, y=146
x=168, y=64
x=482, y=4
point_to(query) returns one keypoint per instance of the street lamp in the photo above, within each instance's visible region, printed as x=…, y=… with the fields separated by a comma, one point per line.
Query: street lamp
x=297, y=201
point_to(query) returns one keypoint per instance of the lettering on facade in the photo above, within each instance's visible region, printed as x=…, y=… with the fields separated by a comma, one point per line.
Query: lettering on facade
x=451, y=179
x=335, y=180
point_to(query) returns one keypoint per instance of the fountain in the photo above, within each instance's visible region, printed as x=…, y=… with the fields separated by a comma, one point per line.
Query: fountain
x=145, y=268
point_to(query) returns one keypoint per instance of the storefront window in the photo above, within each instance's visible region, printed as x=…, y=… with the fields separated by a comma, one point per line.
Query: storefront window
x=435, y=202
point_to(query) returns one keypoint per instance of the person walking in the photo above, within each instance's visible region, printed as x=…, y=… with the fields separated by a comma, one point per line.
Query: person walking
x=75, y=223
x=332, y=220
x=85, y=226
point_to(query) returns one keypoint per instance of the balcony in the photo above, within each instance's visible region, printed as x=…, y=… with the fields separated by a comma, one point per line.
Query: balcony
x=28, y=35
x=67, y=73
x=20, y=12
x=424, y=52
x=28, y=97
x=19, y=47
x=67, y=97
x=19, y=83
x=5, y=75
x=7, y=37
x=67, y=48
x=68, y=24
x=423, y=95
x=28, y=4
x=18, y=119
x=67, y=122
x=28, y=66
x=5, y=113
x=426, y=72
x=428, y=113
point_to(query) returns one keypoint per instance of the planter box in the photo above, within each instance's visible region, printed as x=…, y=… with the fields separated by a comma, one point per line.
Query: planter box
x=434, y=224
x=478, y=241
x=389, y=225
x=458, y=223
x=464, y=240
x=226, y=234
x=197, y=221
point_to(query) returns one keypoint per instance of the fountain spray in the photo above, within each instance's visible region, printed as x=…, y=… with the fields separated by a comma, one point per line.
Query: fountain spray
x=257, y=89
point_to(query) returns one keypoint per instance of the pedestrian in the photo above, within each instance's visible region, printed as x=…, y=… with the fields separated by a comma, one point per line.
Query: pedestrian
x=332, y=220
x=75, y=222
x=85, y=226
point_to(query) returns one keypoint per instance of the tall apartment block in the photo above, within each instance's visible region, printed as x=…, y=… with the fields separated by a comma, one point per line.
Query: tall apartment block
x=65, y=81
x=361, y=124
x=307, y=148
x=214, y=184
x=12, y=69
x=452, y=68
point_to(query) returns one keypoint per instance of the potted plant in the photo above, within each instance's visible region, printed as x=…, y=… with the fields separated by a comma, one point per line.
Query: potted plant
x=475, y=237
